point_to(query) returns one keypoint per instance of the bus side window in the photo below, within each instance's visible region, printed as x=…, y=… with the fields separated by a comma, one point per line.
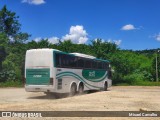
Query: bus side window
x=105, y=65
x=63, y=60
x=57, y=55
x=72, y=62
x=80, y=62
x=100, y=65
x=88, y=63
x=94, y=64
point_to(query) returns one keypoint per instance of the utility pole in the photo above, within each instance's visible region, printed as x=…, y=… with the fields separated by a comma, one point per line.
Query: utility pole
x=157, y=66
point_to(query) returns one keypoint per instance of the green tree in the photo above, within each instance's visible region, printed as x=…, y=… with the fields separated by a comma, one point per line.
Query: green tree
x=66, y=46
x=12, y=49
x=10, y=25
x=129, y=67
x=8, y=22
x=154, y=65
x=3, y=43
x=43, y=43
x=102, y=49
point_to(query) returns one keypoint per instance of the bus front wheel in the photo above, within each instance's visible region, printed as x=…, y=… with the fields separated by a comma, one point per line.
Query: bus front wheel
x=105, y=86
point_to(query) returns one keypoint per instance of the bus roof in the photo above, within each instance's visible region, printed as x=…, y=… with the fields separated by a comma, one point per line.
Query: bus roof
x=102, y=60
x=83, y=55
x=42, y=49
x=75, y=54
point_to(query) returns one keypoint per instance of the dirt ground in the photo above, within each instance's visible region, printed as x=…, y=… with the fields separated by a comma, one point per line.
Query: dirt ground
x=117, y=98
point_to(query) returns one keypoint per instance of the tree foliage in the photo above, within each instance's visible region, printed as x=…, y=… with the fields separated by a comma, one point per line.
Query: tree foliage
x=10, y=25
x=102, y=49
x=10, y=37
x=3, y=44
x=8, y=22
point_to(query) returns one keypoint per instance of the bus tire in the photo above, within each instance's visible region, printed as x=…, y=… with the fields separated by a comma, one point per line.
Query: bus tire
x=73, y=89
x=81, y=88
x=105, y=86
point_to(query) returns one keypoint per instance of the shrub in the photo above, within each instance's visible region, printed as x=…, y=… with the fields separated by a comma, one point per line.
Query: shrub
x=7, y=75
x=134, y=79
x=11, y=83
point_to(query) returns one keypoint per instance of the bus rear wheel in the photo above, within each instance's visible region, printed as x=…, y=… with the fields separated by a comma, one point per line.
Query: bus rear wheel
x=105, y=86
x=81, y=88
x=73, y=89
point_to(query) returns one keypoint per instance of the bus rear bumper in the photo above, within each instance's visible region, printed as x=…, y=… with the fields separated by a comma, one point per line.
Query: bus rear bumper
x=39, y=88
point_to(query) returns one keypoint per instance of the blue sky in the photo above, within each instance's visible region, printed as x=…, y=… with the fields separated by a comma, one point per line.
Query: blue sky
x=132, y=24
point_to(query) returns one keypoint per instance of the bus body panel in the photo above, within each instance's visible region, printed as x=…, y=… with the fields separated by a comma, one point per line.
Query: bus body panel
x=43, y=75
x=38, y=76
x=75, y=75
x=39, y=70
x=40, y=87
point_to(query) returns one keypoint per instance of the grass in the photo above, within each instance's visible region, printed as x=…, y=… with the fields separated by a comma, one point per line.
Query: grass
x=11, y=83
x=144, y=83
x=18, y=83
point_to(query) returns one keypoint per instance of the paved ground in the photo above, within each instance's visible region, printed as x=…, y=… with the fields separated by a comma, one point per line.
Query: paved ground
x=121, y=98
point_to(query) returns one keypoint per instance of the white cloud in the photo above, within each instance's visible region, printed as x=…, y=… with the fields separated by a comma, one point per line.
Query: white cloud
x=128, y=27
x=37, y=39
x=35, y=2
x=11, y=38
x=53, y=40
x=109, y=40
x=117, y=42
x=77, y=34
x=157, y=37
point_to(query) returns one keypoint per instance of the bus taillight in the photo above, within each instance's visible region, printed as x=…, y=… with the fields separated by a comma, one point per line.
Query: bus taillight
x=51, y=81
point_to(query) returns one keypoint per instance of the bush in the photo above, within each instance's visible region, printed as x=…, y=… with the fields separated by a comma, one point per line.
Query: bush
x=134, y=79
x=117, y=78
x=11, y=83
x=144, y=83
x=10, y=71
x=7, y=75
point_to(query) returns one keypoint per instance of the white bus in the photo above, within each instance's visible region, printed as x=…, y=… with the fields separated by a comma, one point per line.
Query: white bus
x=51, y=70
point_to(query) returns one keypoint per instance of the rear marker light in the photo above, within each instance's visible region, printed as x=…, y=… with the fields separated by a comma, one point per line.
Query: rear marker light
x=51, y=81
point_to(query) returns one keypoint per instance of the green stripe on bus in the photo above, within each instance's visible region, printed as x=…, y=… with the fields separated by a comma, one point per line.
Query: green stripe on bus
x=77, y=77
x=82, y=78
x=79, y=80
